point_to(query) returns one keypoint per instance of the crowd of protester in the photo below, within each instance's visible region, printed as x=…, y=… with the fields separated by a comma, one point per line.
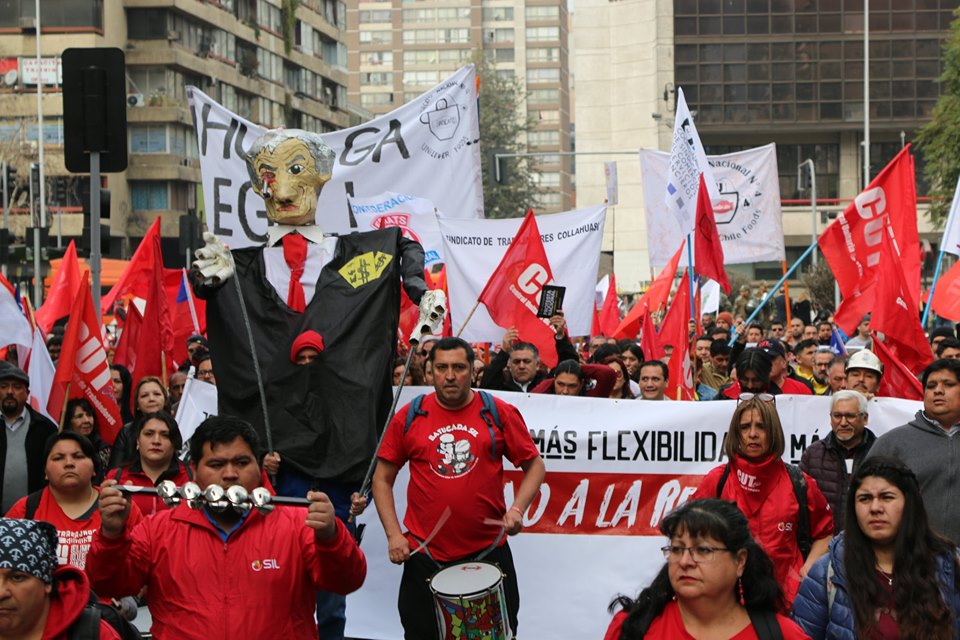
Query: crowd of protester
x=869, y=552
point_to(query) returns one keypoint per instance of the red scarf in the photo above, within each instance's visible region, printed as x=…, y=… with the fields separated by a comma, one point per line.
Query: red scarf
x=756, y=480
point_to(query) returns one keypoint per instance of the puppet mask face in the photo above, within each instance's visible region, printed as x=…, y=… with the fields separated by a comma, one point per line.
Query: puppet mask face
x=290, y=183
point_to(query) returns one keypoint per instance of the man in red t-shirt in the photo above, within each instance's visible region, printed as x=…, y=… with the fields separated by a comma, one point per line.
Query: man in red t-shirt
x=456, y=456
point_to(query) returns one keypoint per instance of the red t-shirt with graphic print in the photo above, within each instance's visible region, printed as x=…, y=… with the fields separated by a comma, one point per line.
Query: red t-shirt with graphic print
x=451, y=465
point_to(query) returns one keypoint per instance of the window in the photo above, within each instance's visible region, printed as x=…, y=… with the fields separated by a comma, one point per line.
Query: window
x=375, y=99
x=269, y=16
x=368, y=17
x=499, y=35
x=148, y=138
x=420, y=77
x=428, y=56
x=547, y=179
x=145, y=24
x=543, y=13
x=543, y=75
x=148, y=196
x=454, y=56
x=536, y=34
x=497, y=14
x=546, y=115
x=414, y=36
x=379, y=57
x=378, y=79
x=543, y=138
x=462, y=13
x=453, y=36
x=549, y=200
x=378, y=37
x=62, y=13
x=543, y=95
x=547, y=54
x=419, y=15
x=52, y=131
x=501, y=55
x=270, y=65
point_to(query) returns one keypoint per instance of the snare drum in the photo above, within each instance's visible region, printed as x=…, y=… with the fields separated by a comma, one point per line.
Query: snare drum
x=470, y=602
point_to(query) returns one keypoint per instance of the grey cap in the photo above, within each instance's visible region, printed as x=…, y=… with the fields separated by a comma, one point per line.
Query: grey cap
x=11, y=372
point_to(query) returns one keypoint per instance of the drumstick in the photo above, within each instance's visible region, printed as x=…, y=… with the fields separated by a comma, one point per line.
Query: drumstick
x=443, y=519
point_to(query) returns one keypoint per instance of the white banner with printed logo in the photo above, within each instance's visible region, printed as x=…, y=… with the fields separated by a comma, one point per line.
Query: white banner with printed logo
x=429, y=147
x=416, y=216
x=747, y=210
x=474, y=248
x=614, y=469
x=198, y=402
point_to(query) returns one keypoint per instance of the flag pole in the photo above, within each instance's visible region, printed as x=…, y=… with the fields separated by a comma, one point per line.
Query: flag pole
x=469, y=315
x=693, y=310
x=63, y=409
x=786, y=293
x=770, y=294
x=933, y=286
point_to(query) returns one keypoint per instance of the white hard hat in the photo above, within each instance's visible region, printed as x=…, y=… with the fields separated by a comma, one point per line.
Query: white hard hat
x=865, y=359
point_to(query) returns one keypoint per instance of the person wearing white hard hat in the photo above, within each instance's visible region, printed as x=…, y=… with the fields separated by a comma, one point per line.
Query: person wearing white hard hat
x=864, y=371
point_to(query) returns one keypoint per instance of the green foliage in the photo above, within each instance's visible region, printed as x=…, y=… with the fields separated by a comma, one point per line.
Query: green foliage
x=503, y=125
x=939, y=140
x=819, y=283
x=288, y=13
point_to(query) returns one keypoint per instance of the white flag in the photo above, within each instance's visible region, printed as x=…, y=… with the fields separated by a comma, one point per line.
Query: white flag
x=16, y=328
x=417, y=217
x=951, y=232
x=198, y=402
x=747, y=211
x=429, y=147
x=709, y=296
x=474, y=248
x=41, y=372
x=687, y=161
x=600, y=292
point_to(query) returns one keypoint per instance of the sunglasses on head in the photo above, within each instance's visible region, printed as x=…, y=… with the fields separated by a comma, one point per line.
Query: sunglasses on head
x=763, y=397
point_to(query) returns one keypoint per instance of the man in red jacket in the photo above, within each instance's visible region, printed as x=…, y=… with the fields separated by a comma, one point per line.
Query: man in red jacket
x=38, y=598
x=220, y=574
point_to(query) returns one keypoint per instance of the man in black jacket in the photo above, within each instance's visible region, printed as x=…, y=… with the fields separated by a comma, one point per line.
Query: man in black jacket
x=834, y=459
x=24, y=433
x=516, y=366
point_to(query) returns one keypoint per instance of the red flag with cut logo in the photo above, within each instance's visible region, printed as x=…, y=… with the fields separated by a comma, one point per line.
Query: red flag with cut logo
x=64, y=287
x=896, y=312
x=707, y=250
x=851, y=244
x=946, y=295
x=654, y=298
x=139, y=275
x=675, y=331
x=83, y=365
x=512, y=294
x=897, y=380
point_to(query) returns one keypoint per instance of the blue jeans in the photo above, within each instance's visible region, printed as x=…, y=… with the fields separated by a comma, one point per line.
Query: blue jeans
x=331, y=607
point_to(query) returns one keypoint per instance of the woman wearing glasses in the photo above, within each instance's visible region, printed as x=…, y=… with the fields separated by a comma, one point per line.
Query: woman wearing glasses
x=902, y=576
x=770, y=493
x=717, y=583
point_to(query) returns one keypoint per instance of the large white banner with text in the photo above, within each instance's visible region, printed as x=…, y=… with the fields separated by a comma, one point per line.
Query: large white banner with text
x=614, y=468
x=747, y=212
x=474, y=248
x=429, y=147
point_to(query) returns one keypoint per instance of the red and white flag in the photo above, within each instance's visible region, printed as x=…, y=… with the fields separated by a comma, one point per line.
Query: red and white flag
x=16, y=327
x=139, y=275
x=512, y=295
x=40, y=369
x=707, y=250
x=83, y=366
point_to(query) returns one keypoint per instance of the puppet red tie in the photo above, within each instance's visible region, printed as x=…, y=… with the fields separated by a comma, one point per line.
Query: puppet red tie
x=295, y=255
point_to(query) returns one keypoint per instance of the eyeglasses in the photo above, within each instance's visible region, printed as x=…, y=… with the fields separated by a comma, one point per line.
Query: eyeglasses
x=763, y=397
x=522, y=361
x=700, y=553
x=850, y=417
x=206, y=373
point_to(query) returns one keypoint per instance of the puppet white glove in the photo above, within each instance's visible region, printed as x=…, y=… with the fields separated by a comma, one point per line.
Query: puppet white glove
x=213, y=260
x=433, y=309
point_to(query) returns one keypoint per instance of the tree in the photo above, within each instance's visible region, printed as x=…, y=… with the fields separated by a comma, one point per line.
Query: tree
x=939, y=140
x=503, y=128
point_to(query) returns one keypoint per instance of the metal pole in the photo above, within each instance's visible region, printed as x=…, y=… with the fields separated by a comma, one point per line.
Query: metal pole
x=43, y=191
x=866, y=93
x=37, y=276
x=813, y=200
x=3, y=179
x=95, y=228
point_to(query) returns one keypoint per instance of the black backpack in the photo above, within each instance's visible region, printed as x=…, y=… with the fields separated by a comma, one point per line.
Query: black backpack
x=87, y=626
x=804, y=541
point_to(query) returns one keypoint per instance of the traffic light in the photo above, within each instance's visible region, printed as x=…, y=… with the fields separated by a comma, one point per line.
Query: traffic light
x=189, y=232
x=10, y=179
x=35, y=179
x=84, y=244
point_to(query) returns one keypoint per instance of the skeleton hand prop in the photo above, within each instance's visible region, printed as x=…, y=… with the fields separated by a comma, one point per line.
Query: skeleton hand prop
x=214, y=261
x=433, y=309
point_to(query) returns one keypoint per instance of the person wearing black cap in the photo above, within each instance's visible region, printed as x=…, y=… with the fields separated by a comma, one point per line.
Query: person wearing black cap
x=779, y=372
x=194, y=342
x=37, y=597
x=24, y=434
x=939, y=334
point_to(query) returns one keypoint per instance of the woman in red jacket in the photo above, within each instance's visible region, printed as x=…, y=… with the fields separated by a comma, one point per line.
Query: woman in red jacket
x=757, y=479
x=158, y=441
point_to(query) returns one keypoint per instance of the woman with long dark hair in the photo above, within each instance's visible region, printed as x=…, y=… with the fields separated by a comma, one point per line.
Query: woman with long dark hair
x=770, y=493
x=717, y=583
x=149, y=396
x=890, y=575
x=80, y=417
x=122, y=388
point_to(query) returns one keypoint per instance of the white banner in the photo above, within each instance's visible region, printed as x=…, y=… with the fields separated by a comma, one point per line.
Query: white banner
x=614, y=468
x=198, y=402
x=416, y=216
x=474, y=248
x=429, y=147
x=747, y=211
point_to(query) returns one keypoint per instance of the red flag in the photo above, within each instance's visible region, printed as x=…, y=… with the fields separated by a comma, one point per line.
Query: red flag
x=707, y=250
x=650, y=339
x=675, y=331
x=512, y=294
x=896, y=313
x=155, y=343
x=60, y=299
x=126, y=351
x=610, y=313
x=897, y=381
x=851, y=244
x=139, y=275
x=654, y=298
x=595, y=324
x=853, y=307
x=946, y=295
x=83, y=364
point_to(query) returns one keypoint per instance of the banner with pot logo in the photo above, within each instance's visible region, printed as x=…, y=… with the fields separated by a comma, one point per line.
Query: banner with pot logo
x=417, y=217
